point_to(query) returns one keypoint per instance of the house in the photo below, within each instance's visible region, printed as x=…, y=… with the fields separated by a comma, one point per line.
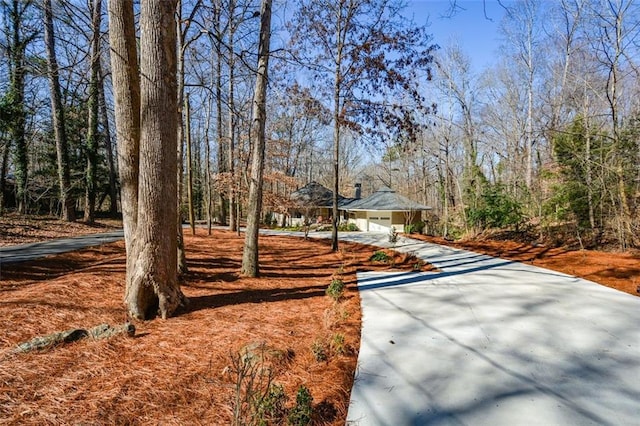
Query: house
x=313, y=202
x=383, y=210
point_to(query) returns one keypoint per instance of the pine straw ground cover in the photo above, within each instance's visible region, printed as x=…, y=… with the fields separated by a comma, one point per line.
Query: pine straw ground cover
x=180, y=371
x=619, y=270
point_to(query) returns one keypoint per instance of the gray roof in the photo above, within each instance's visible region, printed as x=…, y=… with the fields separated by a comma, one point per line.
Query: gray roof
x=385, y=199
x=315, y=195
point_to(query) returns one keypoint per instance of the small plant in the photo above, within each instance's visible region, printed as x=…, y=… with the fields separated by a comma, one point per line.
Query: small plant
x=258, y=400
x=380, y=256
x=349, y=227
x=271, y=409
x=335, y=289
x=319, y=351
x=393, y=235
x=300, y=414
x=337, y=344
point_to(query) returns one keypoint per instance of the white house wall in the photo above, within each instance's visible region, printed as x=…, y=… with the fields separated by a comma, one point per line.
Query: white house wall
x=377, y=220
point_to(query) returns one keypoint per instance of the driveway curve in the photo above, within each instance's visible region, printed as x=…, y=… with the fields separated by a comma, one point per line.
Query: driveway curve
x=31, y=251
x=486, y=341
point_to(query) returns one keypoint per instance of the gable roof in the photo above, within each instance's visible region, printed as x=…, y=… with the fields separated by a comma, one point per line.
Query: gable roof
x=315, y=195
x=386, y=199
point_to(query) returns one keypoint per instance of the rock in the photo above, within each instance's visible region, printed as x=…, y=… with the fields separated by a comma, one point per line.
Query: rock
x=102, y=331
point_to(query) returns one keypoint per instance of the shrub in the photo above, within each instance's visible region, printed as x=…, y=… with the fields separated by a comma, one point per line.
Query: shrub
x=335, y=289
x=300, y=414
x=393, y=235
x=257, y=399
x=337, y=344
x=319, y=351
x=350, y=227
x=271, y=409
x=414, y=228
x=380, y=256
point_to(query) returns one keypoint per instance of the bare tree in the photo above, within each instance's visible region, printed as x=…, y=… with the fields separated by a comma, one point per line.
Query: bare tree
x=361, y=47
x=57, y=112
x=250, y=266
x=617, y=33
x=19, y=37
x=522, y=30
x=92, y=130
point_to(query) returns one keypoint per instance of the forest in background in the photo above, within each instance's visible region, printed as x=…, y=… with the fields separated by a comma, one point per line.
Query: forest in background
x=546, y=137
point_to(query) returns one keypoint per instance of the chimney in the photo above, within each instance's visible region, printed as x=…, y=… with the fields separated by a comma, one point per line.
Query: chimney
x=358, y=191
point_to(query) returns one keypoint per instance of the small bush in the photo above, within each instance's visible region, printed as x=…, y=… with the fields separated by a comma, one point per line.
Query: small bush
x=380, y=256
x=414, y=228
x=271, y=408
x=257, y=399
x=300, y=414
x=350, y=227
x=335, y=289
x=337, y=344
x=319, y=351
x=393, y=235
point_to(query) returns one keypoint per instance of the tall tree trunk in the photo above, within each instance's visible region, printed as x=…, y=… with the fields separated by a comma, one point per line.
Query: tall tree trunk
x=3, y=174
x=192, y=219
x=336, y=171
x=180, y=252
x=19, y=119
x=57, y=112
x=92, y=131
x=233, y=224
x=250, y=266
x=222, y=218
x=337, y=88
x=113, y=180
x=154, y=284
x=209, y=198
x=126, y=89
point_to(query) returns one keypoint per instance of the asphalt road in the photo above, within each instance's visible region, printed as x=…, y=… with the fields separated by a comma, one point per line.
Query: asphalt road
x=26, y=252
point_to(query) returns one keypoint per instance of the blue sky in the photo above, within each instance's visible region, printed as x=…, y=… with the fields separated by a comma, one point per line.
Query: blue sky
x=476, y=34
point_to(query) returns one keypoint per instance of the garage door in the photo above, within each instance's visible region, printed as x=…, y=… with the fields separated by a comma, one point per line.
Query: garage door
x=380, y=223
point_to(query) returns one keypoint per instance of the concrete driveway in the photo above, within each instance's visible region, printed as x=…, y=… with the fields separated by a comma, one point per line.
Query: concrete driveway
x=492, y=342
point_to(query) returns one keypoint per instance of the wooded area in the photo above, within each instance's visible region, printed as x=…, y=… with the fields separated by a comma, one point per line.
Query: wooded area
x=546, y=138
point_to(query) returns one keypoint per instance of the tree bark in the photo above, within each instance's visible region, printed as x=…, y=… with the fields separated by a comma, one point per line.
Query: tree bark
x=207, y=154
x=126, y=89
x=192, y=219
x=233, y=225
x=3, y=173
x=154, y=285
x=92, y=131
x=57, y=112
x=222, y=218
x=337, y=90
x=113, y=180
x=18, y=114
x=250, y=255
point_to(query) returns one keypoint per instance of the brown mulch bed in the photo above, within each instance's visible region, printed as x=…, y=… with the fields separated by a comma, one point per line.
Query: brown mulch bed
x=612, y=269
x=180, y=371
